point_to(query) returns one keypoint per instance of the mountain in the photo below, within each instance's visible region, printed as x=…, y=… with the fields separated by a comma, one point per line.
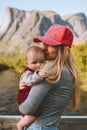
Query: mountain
x=19, y=27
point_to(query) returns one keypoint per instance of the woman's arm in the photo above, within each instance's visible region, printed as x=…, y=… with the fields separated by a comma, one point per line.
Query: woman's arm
x=35, y=97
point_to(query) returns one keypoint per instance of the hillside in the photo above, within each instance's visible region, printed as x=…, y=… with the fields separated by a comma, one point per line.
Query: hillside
x=20, y=26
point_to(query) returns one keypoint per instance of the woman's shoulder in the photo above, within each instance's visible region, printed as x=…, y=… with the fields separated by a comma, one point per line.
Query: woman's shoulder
x=66, y=70
x=66, y=75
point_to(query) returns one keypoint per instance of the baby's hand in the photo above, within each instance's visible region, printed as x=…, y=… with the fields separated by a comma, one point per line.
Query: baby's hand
x=42, y=73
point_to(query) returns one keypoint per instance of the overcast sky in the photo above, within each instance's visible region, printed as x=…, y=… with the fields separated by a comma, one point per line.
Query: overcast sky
x=62, y=7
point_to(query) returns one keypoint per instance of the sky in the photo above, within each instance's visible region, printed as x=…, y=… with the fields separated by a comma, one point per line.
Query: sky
x=62, y=7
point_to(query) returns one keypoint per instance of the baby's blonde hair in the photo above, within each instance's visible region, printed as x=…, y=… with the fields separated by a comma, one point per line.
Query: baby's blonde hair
x=35, y=52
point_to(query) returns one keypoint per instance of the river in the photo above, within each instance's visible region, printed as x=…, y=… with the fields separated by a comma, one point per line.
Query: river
x=9, y=81
x=8, y=90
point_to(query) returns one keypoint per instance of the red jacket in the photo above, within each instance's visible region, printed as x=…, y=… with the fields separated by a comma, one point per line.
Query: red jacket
x=23, y=93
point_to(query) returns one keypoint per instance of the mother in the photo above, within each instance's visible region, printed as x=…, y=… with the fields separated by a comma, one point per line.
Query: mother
x=46, y=101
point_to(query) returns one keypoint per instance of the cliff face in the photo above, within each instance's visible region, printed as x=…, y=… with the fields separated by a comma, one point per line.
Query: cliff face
x=20, y=26
x=79, y=24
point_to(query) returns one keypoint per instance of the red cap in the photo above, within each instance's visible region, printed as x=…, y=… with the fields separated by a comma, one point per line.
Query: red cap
x=56, y=35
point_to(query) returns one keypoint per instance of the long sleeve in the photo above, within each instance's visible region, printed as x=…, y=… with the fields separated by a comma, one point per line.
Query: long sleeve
x=35, y=97
x=31, y=78
x=48, y=102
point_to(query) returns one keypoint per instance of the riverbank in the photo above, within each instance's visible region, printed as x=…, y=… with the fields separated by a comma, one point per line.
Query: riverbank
x=9, y=82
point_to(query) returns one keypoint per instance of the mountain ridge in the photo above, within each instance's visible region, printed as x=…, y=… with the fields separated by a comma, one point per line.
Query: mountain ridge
x=19, y=27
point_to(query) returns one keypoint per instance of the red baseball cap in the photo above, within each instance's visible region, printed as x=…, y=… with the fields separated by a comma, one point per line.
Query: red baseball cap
x=56, y=35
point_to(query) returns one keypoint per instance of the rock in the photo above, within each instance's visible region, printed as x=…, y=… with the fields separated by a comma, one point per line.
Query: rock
x=79, y=22
x=19, y=27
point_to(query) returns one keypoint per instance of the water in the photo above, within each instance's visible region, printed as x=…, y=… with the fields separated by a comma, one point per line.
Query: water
x=9, y=81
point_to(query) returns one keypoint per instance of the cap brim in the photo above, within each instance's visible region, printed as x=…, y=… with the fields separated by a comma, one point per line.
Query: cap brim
x=46, y=40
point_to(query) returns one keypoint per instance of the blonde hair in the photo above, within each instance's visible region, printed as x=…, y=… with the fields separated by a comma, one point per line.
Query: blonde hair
x=65, y=57
x=35, y=52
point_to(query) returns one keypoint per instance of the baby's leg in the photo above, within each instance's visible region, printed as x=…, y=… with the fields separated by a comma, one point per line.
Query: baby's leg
x=25, y=121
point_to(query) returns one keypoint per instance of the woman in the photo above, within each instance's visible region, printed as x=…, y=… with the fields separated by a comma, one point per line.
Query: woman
x=50, y=100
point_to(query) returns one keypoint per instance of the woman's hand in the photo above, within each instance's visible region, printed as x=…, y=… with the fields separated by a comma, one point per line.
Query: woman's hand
x=42, y=73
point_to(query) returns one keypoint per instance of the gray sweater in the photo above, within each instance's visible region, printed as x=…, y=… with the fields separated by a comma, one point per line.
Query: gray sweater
x=48, y=102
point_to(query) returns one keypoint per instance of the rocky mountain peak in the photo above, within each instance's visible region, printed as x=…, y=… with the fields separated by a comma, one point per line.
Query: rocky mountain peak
x=19, y=27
